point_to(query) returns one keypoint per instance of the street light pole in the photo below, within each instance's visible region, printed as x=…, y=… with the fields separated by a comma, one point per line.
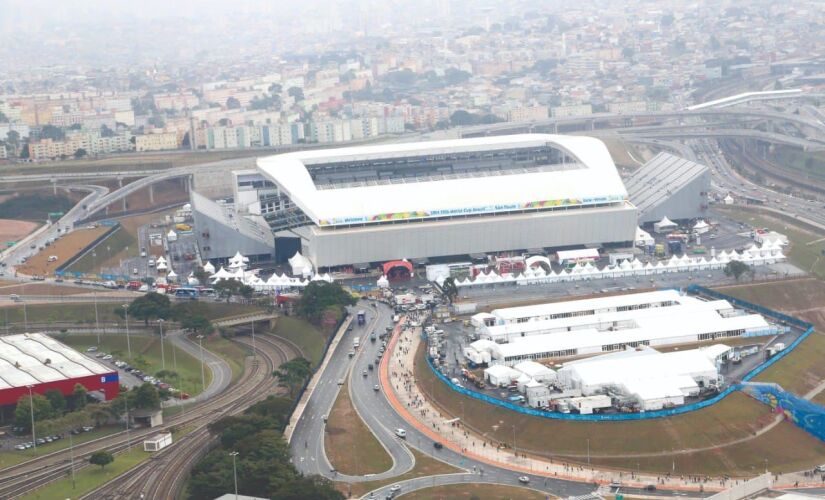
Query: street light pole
x=235, y=472
x=254, y=354
x=203, y=374
x=97, y=321
x=515, y=450
x=71, y=455
x=128, y=434
x=128, y=342
x=31, y=408
x=588, y=451
x=162, y=355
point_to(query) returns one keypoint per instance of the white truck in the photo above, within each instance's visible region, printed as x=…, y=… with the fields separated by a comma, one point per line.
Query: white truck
x=356, y=342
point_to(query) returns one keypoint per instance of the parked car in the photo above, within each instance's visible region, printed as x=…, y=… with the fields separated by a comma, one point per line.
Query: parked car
x=91, y=349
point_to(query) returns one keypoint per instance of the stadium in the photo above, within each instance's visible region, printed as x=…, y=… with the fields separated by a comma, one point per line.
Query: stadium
x=420, y=201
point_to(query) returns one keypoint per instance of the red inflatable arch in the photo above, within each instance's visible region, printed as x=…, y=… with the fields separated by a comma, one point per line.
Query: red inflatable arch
x=395, y=268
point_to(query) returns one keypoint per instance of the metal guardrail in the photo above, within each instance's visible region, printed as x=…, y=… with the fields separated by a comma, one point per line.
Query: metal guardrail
x=809, y=328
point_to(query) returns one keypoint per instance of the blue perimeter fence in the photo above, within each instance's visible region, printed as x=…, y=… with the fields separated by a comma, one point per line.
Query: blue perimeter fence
x=615, y=417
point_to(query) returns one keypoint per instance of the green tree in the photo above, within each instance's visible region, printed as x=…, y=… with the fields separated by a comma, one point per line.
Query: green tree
x=449, y=288
x=57, y=400
x=246, y=291
x=105, y=131
x=319, y=296
x=150, y=306
x=293, y=374
x=52, y=132
x=22, y=413
x=13, y=140
x=233, y=103
x=99, y=414
x=79, y=396
x=197, y=323
x=736, y=269
x=296, y=93
x=227, y=288
x=80, y=153
x=101, y=458
x=146, y=397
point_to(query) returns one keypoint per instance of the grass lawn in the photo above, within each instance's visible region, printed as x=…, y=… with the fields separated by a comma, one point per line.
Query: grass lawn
x=93, y=476
x=307, y=336
x=806, y=257
x=802, y=369
x=786, y=448
x=231, y=352
x=475, y=491
x=349, y=444
x=90, y=477
x=424, y=466
x=113, y=246
x=84, y=314
x=146, y=355
x=9, y=457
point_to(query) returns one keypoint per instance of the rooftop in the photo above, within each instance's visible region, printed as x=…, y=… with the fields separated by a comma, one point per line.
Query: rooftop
x=655, y=181
x=34, y=358
x=592, y=180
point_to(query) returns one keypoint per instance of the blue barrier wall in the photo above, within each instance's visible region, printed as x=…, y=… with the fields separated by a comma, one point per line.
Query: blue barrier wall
x=658, y=413
x=809, y=416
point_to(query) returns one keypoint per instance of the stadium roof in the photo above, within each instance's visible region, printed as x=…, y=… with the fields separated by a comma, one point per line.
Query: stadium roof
x=34, y=358
x=595, y=182
x=657, y=180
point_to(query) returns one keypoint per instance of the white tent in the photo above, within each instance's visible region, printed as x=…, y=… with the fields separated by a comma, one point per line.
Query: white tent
x=238, y=261
x=209, y=268
x=383, y=282
x=728, y=200
x=161, y=260
x=222, y=274
x=298, y=263
x=162, y=265
x=172, y=275
x=171, y=236
x=701, y=227
x=643, y=238
x=664, y=225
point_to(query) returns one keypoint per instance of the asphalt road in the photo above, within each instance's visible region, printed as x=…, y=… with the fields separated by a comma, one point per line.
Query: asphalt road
x=221, y=372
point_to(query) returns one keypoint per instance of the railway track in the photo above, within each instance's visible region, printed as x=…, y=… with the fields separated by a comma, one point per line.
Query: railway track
x=22, y=478
x=164, y=474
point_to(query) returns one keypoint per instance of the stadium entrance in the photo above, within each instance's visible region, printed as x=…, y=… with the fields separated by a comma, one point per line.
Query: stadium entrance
x=398, y=270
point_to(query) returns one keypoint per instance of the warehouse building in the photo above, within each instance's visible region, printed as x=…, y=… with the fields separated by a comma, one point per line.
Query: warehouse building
x=416, y=201
x=669, y=186
x=37, y=361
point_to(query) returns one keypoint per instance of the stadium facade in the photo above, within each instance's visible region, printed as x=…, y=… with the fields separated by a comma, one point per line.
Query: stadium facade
x=447, y=198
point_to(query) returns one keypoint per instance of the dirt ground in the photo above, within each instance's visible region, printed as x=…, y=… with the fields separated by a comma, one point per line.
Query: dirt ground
x=65, y=248
x=14, y=230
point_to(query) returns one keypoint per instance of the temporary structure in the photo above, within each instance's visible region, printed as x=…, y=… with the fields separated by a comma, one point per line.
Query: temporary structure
x=701, y=227
x=298, y=263
x=664, y=225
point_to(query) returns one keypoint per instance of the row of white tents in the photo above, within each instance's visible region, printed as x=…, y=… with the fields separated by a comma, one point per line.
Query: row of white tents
x=754, y=256
x=236, y=270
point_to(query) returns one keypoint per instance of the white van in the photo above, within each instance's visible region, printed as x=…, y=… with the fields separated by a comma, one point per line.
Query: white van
x=151, y=263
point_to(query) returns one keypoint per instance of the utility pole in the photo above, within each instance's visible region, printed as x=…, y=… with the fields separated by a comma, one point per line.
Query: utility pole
x=162, y=355
x=128, y=342
x=97, y=321
x=235, y=472
x=31, y=407
x=71, y=456
x=203, y=373
x=254, y=354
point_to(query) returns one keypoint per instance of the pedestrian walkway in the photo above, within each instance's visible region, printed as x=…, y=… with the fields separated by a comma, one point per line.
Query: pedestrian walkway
x=401, y=388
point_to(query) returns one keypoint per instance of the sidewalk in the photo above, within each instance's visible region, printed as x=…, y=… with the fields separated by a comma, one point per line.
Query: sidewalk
x=403, y=392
